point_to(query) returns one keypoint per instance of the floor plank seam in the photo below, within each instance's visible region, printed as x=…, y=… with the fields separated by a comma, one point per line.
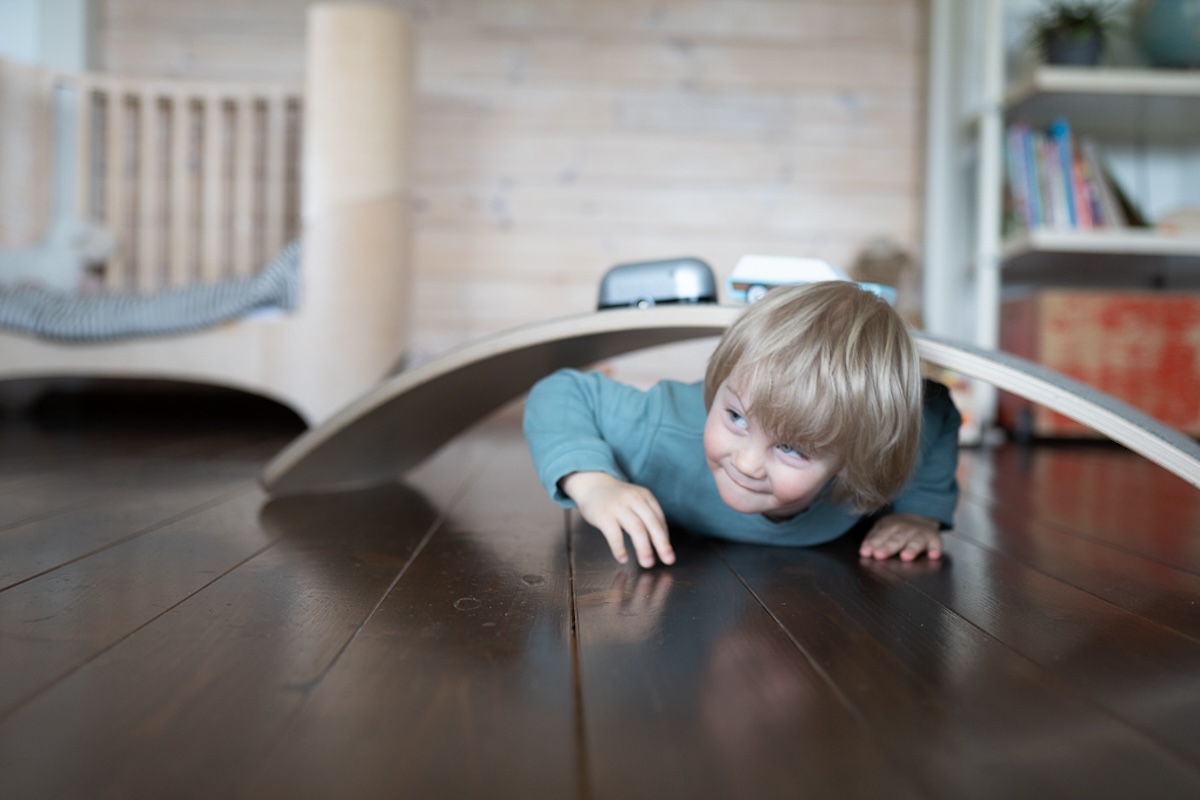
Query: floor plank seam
x=310, y=686
x=6, y=713
x=437, y=524
x=1000, y=553
x=100, y=497
x=868, y=731
x=51, y=514
x=307, y=688
x=1065, y=686
x=583, y=775
x=224, y=497
x=1092, y=539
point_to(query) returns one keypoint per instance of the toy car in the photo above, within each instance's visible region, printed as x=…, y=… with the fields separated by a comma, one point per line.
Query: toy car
x=754, y=276
x=649, y=283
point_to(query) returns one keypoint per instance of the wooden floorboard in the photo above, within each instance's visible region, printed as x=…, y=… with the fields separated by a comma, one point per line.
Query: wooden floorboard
x=971, y=716
x=166, y=631
x=1136, y=669
x=691, y=689
x=1145, y=587
x=192, y=666
x=54, y=623
x=145, y=498
x=201, y=691
x=460, y=685
x=1097, y=492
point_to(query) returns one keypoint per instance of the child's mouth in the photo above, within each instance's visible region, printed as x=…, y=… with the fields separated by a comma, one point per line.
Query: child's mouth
x=737, y=480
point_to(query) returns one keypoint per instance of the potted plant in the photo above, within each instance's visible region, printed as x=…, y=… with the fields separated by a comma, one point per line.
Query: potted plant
x=1072, y=31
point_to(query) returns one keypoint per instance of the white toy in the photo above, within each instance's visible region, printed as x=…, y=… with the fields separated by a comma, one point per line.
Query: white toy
x=755, y=275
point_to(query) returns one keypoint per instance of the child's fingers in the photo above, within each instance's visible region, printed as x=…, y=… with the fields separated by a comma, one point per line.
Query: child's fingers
x=894, y=536
x=881, y=548
x=879, y=543
x=646, y=527
x=639, y=533
x=616, y=540
x=922, y=541
x=644, y=522
x=912, y=550
x=931, y=547
x=618, y=509
x=662, y=543
x=615, y=529
x=656, y=524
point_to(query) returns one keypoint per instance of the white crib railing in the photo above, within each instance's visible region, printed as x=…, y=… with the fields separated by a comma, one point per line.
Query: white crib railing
x=201, y=181
x=197, y=181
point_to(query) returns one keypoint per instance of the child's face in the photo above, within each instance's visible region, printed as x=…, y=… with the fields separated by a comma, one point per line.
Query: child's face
x=754, y=474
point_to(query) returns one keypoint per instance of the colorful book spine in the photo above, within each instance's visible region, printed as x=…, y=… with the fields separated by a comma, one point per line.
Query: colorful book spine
x=1056, y=179
x=1111, y=215
x=1060, y=134
x=1081, y=192
x=1056, y=189
x=1018, y=176
x=1037, y=213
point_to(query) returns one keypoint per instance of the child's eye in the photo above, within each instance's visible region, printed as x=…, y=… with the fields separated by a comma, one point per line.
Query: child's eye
x=736, y=418
x=788, y=450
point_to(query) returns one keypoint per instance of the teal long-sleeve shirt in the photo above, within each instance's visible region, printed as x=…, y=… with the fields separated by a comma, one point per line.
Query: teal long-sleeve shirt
x=584, y=421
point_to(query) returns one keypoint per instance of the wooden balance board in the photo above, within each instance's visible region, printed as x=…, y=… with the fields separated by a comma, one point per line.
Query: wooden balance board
x=397, y=424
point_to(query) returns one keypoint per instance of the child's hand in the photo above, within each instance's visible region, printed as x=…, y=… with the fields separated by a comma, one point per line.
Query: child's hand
x=906, y=534
x=617, y=508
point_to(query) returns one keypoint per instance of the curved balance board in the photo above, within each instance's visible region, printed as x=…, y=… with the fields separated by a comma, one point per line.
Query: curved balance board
x=408, y=416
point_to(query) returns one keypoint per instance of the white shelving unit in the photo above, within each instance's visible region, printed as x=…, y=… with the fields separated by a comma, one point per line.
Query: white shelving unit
x=1147, y=116
x=1106, y=100
x=1112, y=257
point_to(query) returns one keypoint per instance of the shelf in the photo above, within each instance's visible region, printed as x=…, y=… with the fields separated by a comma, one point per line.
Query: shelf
x=1145, y=121
x=1101, y=101
x=1116, y=257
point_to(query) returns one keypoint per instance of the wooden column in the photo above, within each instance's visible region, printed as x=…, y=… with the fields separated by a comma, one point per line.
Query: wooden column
x=355, y=195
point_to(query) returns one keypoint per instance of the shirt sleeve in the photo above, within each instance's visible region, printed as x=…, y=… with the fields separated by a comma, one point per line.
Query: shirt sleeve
x=583, y=422
x=933, y=489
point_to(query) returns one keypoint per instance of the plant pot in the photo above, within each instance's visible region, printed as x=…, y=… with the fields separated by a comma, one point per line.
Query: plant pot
x=1070, y=48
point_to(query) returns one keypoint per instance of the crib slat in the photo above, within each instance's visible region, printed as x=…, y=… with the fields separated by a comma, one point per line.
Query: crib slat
x=149, y=202
x=114, y=184
x=212, y=169
x=84, y=120
x=194, y=180
x=275, y=145
x=180, y=226
x=243, y=182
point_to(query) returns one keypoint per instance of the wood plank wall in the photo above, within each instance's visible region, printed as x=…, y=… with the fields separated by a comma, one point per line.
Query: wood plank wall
x=557, y=138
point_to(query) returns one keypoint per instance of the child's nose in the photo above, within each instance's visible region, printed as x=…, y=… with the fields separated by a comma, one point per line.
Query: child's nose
x=749, y=462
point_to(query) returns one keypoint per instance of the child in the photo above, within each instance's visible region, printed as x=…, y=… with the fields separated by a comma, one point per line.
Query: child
x=812, y=415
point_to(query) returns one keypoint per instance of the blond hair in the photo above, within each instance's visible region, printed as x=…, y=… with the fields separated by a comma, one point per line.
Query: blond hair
x=830, y=369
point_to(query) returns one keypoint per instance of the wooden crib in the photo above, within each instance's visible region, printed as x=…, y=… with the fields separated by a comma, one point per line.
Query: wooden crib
x=202, y=182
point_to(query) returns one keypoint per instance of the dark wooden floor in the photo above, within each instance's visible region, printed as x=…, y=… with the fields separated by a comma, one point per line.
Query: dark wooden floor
x=167, y=632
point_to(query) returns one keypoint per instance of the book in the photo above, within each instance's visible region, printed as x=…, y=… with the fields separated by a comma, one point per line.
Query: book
x=1110, y=213
x=1056, y=178
x=1060, y=134
x=1033, y=177
x=1055, y=185
x=1024, y=213
x=1081, y=192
